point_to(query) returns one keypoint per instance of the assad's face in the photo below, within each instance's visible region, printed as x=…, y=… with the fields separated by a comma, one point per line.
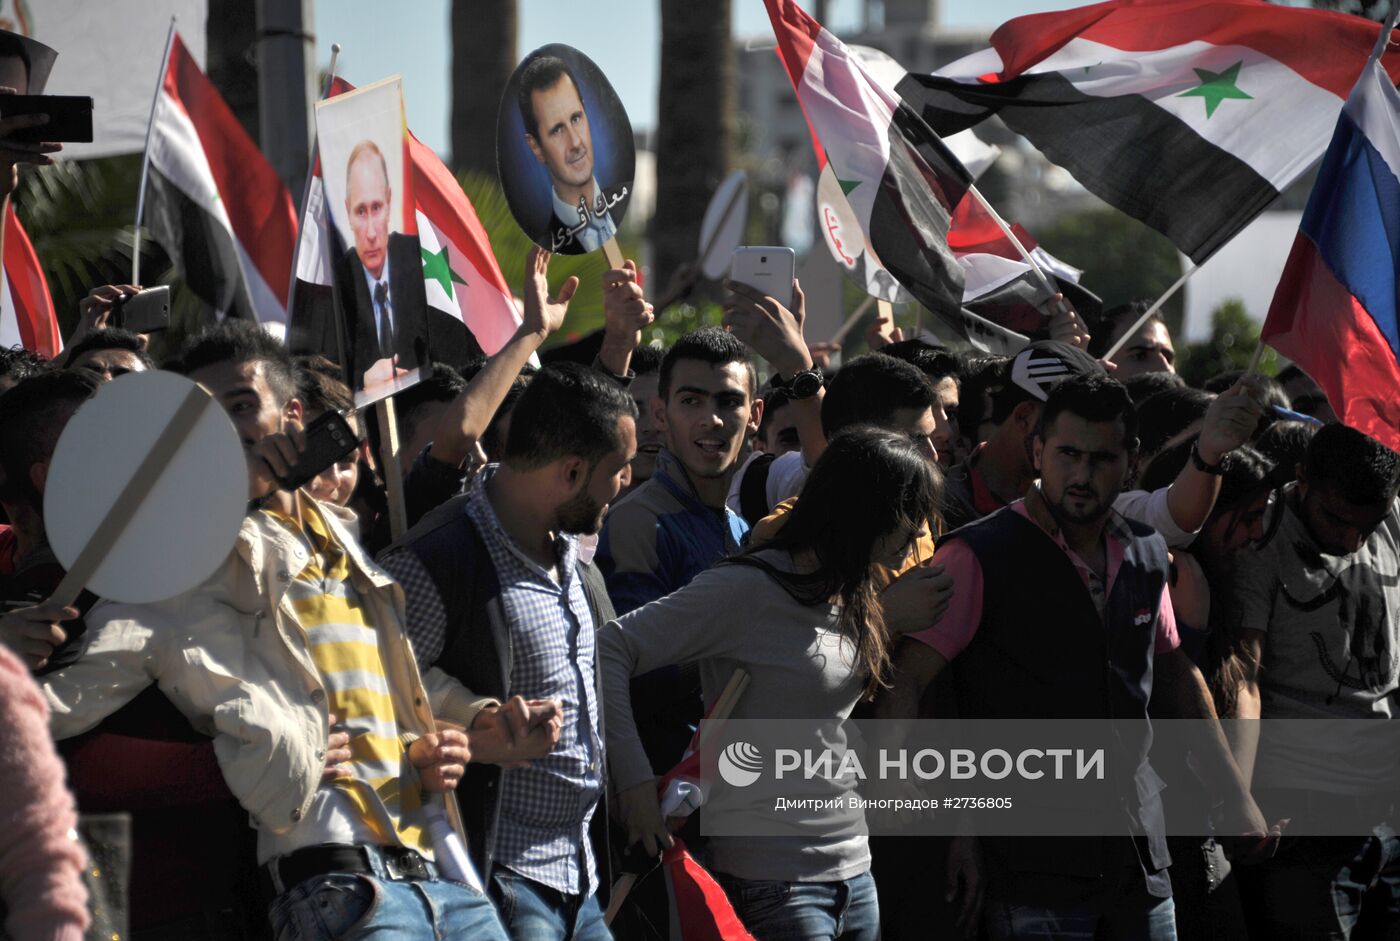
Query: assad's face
x=367, y=197
x=564, y=144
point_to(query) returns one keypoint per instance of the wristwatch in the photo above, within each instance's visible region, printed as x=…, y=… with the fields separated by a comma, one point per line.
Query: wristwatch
x=803, y=385
x=1200, y=463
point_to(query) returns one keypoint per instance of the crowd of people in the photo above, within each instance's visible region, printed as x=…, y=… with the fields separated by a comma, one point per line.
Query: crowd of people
x=594, y=547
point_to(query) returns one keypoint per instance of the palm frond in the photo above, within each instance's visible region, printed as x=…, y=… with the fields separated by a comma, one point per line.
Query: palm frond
x=511, y=247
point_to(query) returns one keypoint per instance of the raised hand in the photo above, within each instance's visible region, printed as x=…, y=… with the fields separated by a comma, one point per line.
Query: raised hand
x=1230, y=421
x=543, y=314
x=767, y=327
x=14, y=152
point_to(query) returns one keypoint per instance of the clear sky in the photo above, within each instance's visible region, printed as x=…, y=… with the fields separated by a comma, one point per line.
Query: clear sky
x=622, y=36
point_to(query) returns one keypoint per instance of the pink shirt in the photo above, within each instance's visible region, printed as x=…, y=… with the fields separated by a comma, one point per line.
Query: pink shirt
x=954, y=631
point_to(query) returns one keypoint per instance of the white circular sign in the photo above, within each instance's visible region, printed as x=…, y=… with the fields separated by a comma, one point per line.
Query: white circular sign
x=847, y=244
x=188, y=521
x=722, y=229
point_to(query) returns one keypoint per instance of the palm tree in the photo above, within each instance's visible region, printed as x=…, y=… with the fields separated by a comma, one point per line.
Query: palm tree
x=483, y=57
x=695, y=131
x=79, y=215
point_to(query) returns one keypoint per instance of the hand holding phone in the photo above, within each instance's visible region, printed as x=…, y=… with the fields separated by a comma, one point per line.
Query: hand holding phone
x=329, y=438
x=769, y=269
x=143, y=312
x=16, y=148
x=766, y=317
x=66, y=118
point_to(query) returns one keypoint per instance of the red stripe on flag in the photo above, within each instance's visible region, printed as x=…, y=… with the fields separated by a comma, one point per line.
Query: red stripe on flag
x=1317, y=323
x=811, y=131
x=258, y=204
x=975, y=231
x=440, y=198
x=703, y=911
x=1324, y=47
x=797, y=37
x=29, y=292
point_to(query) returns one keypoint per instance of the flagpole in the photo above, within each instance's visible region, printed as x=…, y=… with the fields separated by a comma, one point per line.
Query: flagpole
x=146, y=156
x=851, y=320
x=306, y=187
x=1011, y=235
x=1383, y=37
x=1147, y=315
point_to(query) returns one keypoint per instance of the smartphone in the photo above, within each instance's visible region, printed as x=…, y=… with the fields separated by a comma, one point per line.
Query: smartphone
x=329, y=438
x=70, y=117
x=766, y=268
x=143, y=312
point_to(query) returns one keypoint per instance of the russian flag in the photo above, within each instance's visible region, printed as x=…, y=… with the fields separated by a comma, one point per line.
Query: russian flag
x=1334, y=312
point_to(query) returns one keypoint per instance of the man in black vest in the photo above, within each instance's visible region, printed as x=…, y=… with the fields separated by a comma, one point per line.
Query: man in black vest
x=499, y=596
x=1103, y=650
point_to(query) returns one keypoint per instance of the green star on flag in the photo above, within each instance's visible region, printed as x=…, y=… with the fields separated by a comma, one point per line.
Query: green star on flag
x=438, y=268
x=1215, y=87
x=846, y=185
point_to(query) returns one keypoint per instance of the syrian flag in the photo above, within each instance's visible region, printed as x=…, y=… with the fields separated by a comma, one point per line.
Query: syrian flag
x=460, y=273
x=1000, y=285
x=213, y=202
x=26, y=309
x=839, y=225
x=1335, y=310
x=900, y=180
x=459, y=268
x=1191, y=115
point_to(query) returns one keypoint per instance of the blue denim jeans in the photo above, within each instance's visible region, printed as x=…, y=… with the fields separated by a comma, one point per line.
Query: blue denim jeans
x=1147, y=919
x=806, y=911
x=1114, y=907
x=342, y=906
x=1320, y=887
x=535, y=912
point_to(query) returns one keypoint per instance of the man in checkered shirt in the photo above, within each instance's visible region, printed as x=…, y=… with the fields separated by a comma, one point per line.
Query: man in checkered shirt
x=498, y=596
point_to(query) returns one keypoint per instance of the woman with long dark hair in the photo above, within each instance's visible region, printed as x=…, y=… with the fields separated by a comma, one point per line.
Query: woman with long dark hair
x=1205, y=890
x=800, y=614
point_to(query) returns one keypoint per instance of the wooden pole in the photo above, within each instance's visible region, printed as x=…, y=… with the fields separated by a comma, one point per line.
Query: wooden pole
x=613, y=253
x=885, y=309
x=389, y=460
x=856, y=314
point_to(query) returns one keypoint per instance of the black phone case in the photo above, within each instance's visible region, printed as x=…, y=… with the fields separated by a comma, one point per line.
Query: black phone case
x=328, y=439
x=70, y=117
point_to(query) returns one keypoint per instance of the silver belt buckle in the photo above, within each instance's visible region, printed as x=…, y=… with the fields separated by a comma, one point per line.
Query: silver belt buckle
x=405, y=865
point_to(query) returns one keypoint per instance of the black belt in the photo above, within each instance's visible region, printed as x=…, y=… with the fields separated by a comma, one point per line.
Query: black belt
x=400, y=864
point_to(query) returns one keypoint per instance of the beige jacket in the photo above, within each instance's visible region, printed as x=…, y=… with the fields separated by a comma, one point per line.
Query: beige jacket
x=230, y=655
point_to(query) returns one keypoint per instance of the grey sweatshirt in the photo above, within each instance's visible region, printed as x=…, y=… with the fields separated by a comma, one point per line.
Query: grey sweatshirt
x=799, y=668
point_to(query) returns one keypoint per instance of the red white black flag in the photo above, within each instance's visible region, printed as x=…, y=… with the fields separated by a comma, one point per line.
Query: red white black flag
x=213, y=202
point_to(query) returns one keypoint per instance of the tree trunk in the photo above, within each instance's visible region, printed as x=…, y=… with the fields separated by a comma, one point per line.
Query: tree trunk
x=231, y=35
x=483, y=56
x=695, y=129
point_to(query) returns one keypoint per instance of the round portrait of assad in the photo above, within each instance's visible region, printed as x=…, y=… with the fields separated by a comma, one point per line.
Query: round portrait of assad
x=565, y=151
